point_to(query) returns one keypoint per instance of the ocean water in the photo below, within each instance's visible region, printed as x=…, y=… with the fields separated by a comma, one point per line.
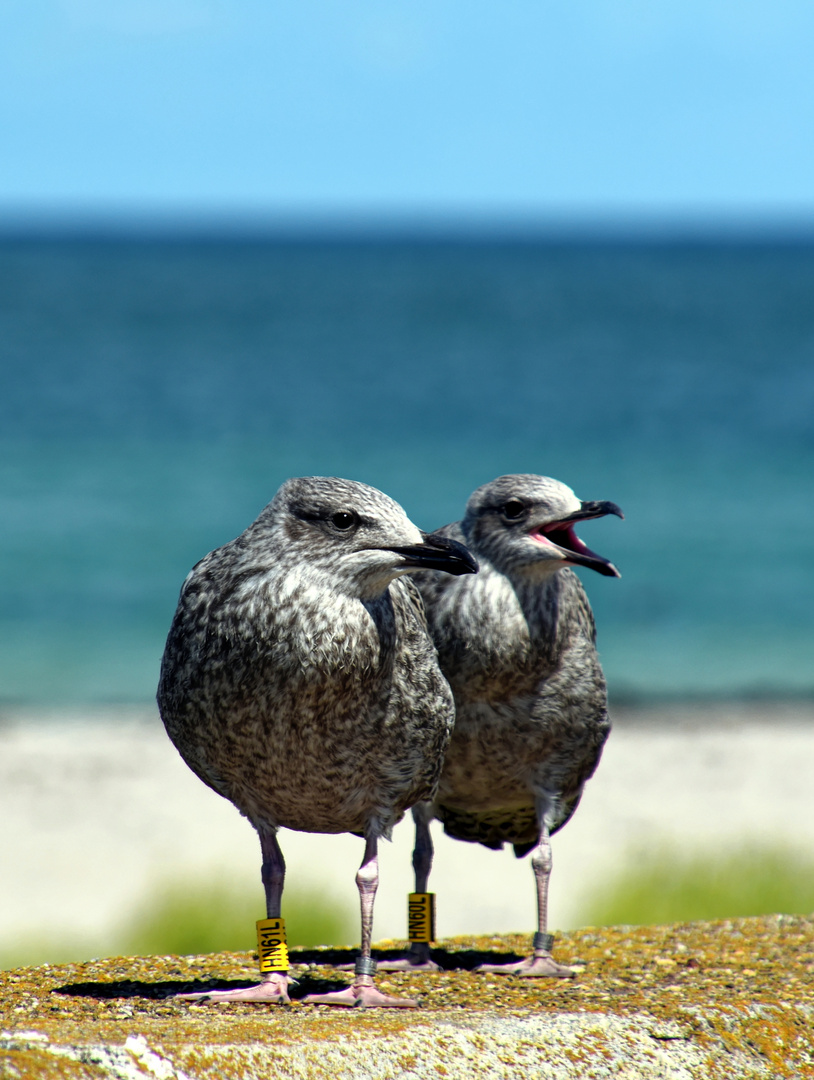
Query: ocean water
x=155, y=393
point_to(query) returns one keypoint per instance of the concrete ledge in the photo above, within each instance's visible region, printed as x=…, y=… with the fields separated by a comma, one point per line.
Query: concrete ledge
x=730, y=999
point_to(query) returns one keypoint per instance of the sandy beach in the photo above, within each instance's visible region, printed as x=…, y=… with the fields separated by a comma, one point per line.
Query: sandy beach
x=97, y=809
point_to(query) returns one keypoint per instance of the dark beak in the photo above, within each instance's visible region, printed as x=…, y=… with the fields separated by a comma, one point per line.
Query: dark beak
x=588, y=510
x=439, y=553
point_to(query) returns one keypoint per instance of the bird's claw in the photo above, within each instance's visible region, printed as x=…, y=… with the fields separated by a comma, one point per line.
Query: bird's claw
x=541, y=965
x=408, y=963
x=273, y=990
x=361, y=997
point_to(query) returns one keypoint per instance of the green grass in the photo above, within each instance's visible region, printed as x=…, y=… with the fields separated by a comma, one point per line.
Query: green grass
x=663, y=886
x=201, y=917
x=198, y=915
x=654, y=887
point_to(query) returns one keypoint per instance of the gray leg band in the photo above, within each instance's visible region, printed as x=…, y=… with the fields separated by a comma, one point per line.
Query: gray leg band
x=543, y=942
x=365, y=965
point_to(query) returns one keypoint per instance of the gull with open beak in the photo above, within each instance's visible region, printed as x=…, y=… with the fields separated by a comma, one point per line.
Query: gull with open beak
x=518, y=646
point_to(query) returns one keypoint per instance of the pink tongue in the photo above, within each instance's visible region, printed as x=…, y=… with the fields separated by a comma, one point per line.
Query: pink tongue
x=572, y=541
x=540, y=537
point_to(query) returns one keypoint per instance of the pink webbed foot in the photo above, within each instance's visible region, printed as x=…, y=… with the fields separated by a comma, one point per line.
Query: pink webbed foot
x=362, y=995
x=409, y=963
x=273, y=989
x=416, y=959
x=540, y=965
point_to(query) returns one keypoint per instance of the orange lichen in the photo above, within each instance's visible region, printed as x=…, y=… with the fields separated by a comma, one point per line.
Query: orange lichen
x=684, y=985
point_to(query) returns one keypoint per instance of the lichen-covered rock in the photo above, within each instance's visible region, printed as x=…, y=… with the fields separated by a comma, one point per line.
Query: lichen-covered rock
x=704, y=1000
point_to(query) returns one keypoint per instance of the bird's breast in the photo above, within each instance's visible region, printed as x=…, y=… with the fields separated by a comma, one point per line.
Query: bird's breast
x=300, y=715
x=491, y=646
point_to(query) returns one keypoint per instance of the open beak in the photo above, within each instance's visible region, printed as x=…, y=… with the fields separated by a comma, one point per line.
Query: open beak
x=560, y=534
x=438, y=553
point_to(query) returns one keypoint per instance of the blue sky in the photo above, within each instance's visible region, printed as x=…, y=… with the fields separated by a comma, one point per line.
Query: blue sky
x=526, y=108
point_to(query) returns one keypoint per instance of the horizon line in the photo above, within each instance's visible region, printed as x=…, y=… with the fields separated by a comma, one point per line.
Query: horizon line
x=406, y=227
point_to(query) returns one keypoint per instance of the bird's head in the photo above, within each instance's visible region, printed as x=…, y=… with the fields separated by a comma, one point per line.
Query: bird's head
x=525, y=524
x=354, y=537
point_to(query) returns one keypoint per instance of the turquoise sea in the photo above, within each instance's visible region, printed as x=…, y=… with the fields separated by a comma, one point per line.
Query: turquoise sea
x=155, y=392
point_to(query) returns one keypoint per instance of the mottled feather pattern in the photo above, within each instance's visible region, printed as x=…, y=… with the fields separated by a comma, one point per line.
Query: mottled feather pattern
x=296, y=681
x=517, y=644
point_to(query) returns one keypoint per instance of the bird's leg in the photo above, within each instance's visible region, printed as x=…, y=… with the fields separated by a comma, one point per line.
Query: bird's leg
x=540, y=963
x=418, y=956
x=363, y=992
x=274, y=985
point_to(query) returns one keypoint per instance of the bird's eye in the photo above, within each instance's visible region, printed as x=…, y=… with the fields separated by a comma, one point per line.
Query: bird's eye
x=343, y=519
x=514, y=509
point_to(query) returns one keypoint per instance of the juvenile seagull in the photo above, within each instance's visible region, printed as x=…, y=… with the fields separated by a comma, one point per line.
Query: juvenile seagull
x=299, y=681
x=517, y=644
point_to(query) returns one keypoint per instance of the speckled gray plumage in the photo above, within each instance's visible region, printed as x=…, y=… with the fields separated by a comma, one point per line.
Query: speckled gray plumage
x=518, y=646
x=299, y=680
